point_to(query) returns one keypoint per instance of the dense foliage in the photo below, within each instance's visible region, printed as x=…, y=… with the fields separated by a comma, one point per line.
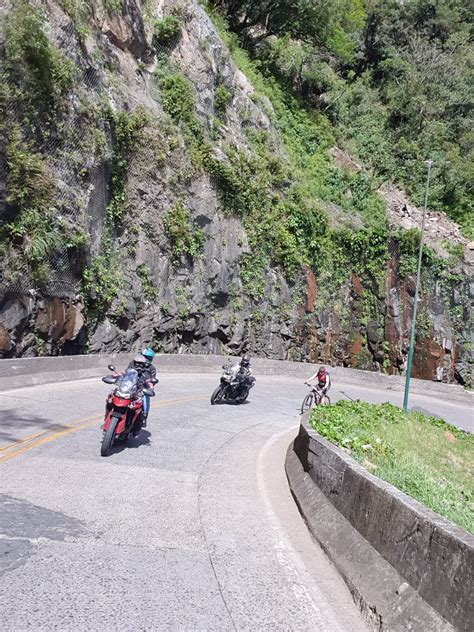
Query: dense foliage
x=422, y=456
x=394, y=78
x=35, y=80
x=183, y=238
x=300, y=208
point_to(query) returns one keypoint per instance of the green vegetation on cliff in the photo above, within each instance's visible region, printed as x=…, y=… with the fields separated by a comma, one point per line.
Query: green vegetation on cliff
x=423, y=456
x=301, y=208
x=183, y=237
x=35, y=80
x=125, y=156
x=394, y=79
x=294, y=195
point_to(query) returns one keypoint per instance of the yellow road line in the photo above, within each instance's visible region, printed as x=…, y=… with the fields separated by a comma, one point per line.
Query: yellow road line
x=43, y=432
x=73, y=427
x=79, y=421
x=23, y=440
x=44, y=440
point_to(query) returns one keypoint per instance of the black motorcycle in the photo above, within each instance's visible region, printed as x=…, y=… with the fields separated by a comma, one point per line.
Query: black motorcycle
x=234, y=386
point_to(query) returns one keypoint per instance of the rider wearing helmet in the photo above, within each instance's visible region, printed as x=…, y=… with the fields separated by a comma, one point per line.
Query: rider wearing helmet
x=138, y=363
x=245, y=364
x=245, y=371
x=322, y=378
x=150, y=373
x=149, y=355
x=143, y=364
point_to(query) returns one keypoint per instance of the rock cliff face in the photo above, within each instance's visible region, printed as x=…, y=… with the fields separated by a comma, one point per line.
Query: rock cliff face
x=147, y=252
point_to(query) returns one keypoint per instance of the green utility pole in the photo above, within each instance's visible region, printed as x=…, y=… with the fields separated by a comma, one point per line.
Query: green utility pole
x=413, y=322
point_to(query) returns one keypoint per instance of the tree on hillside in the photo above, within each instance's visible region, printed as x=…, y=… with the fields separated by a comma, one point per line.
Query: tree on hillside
x=395, y=77
x=328, y=23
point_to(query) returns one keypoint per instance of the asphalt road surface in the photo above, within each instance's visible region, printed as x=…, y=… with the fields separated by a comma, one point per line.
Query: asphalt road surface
x=190, y=526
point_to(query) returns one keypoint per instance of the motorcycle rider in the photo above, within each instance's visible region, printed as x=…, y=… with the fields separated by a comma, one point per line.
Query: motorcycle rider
x=323, y=381
x=245, y=365
x=143, y=365
x=150, y=372
x=245, y=371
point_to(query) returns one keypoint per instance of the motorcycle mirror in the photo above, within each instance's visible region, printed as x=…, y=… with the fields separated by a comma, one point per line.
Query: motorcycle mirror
x=109, y=379
x=111, y=367
x=149, y=392
x=154, y=380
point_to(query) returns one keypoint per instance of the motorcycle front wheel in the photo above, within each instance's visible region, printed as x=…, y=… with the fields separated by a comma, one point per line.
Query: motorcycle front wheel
x=109, y=434
x=218, y=394
x=307, y=403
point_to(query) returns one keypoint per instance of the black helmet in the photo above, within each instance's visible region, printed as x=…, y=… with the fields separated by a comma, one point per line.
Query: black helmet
x=245, y=362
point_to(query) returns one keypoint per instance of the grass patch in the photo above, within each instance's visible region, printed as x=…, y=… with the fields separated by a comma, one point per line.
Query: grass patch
x=426, y=458
x=222, y=97
x=127, y=133
x=177, y=95
x=167, y=28
x=150, y=292
x=184, y=238
x=40, y=74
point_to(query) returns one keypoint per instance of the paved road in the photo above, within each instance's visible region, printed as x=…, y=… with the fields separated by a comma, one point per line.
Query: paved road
x=190, y=527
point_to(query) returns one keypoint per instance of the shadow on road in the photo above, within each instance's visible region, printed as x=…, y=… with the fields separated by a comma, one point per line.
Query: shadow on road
x=419, y=409
x=12, y=424
x=133, y=443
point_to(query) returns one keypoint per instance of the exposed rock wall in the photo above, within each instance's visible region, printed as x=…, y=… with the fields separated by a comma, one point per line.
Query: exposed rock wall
x=197, y=303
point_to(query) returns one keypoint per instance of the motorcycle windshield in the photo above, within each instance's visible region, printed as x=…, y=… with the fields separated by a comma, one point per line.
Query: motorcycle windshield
x=231, y=370
x=128, y=383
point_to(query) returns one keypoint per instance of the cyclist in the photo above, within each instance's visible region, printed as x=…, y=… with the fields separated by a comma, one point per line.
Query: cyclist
x=323, y=381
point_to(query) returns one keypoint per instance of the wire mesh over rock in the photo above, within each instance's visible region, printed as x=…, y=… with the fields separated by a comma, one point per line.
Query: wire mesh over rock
x=147, y=197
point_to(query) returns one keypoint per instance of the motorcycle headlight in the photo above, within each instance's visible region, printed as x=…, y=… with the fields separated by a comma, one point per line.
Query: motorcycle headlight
x=123, y=395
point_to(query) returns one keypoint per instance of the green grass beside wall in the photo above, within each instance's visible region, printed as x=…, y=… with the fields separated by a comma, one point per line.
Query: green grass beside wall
x=424, y=457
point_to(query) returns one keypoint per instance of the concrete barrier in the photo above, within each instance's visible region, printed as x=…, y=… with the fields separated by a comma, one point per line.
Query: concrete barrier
x=19, y=372
x=408, y=568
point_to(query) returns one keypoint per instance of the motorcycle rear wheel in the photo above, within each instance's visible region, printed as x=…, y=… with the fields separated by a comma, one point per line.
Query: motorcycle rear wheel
x=243, y=397
x=109, y=435
x=218, y=394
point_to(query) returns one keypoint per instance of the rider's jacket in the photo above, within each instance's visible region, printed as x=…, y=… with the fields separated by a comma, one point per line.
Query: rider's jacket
x=244, y=371
x=145, y=373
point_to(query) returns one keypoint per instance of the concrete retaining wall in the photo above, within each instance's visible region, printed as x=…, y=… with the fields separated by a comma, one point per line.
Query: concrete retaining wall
x=434, y=558
x=28, y=371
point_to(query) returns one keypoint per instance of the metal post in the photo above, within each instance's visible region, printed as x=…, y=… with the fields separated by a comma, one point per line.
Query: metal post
x=413, y=322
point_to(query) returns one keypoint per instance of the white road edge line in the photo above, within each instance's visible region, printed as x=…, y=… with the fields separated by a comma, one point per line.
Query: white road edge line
x=287, y=557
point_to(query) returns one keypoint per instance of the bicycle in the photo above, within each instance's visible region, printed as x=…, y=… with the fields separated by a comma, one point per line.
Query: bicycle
x=314, y=398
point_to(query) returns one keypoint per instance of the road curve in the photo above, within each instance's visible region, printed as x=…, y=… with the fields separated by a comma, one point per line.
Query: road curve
x=189, y=527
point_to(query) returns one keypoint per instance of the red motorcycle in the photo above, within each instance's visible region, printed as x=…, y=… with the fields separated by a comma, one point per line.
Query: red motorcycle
x=124, y=407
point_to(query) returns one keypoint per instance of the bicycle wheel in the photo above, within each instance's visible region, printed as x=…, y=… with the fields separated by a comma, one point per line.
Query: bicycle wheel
x=307, y=403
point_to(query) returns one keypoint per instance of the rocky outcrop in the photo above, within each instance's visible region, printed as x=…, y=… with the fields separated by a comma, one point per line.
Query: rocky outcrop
x=136, y=290
x=126, y=30
x=33, y=325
